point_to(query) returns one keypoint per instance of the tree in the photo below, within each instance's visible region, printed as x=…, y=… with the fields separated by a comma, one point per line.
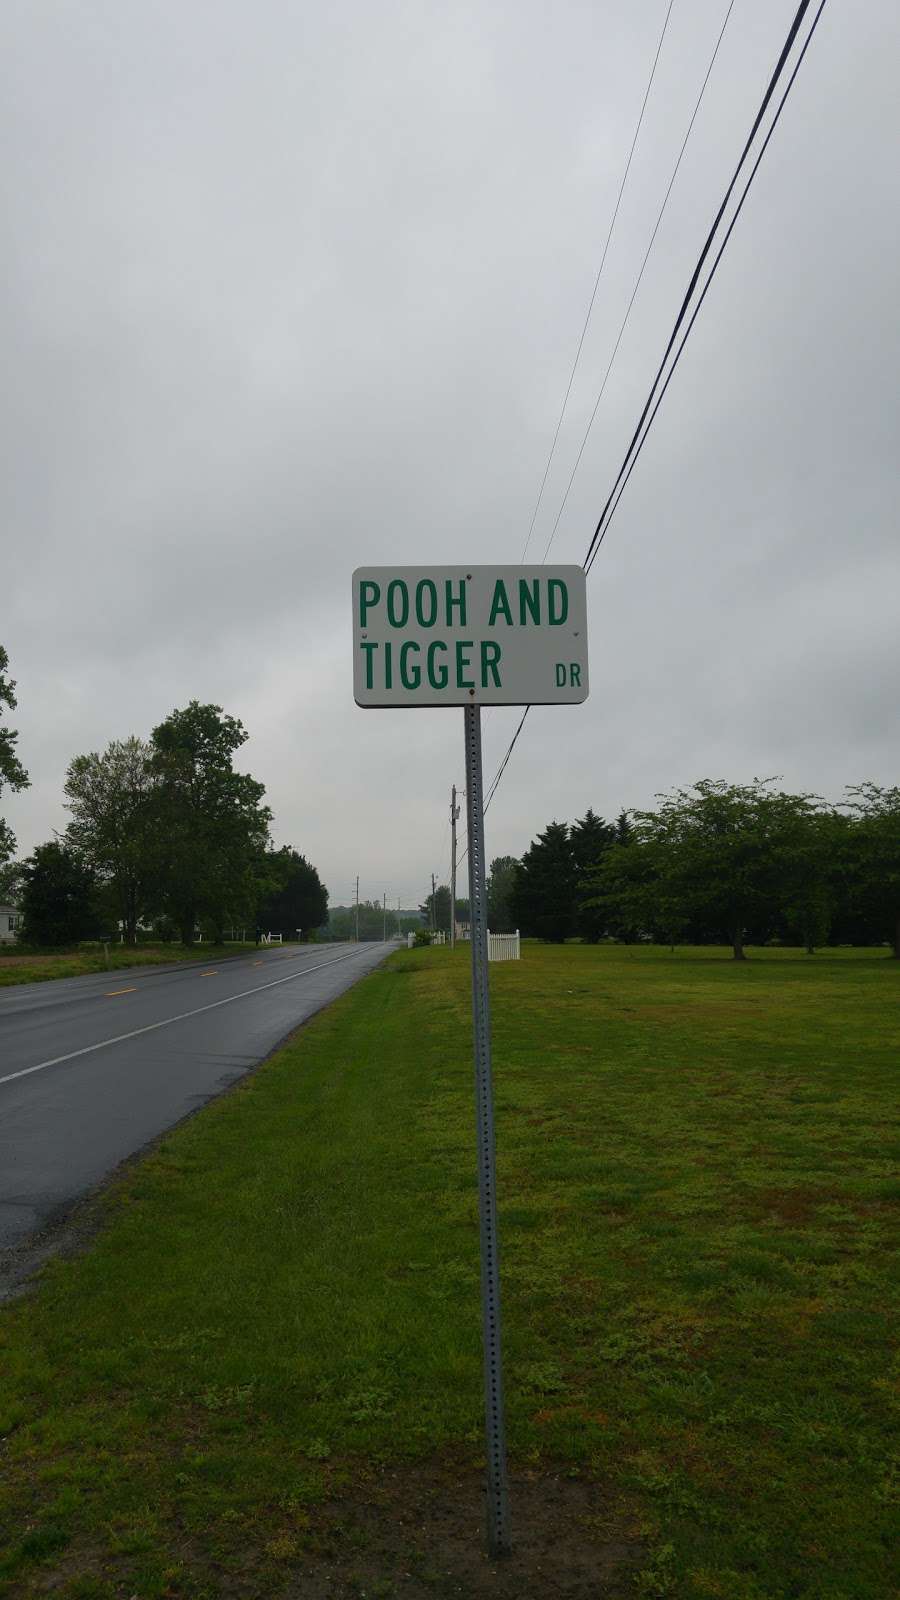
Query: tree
x=293, y=894
x=212, y=819
x=115, y=825
x=590, y=839
x=544, y=900
x=373, y=919
x=875, y=851
x=627, y=891
x=436, y=909
x=501, y=882
x=729, y=855
x=58, y=901
x=11, y=880
x=12, y=772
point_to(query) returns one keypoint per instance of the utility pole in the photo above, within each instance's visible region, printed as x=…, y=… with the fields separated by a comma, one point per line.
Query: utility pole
x=357, y=908
x=454, y=813
x=384, y=912
x=433, y=908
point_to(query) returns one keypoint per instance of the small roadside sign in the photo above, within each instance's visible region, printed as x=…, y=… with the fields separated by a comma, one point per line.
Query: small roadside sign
x=473, y=637
x=465, y=636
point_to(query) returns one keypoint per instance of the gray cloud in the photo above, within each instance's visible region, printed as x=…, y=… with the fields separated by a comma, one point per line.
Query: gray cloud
x=289, y=291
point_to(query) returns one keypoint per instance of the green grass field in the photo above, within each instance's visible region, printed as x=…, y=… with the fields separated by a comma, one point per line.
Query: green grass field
x=273, y=1343
x=36, y=968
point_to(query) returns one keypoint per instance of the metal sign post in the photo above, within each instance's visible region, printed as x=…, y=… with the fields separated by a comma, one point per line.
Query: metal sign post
x=472, y=637
x=497, y=1491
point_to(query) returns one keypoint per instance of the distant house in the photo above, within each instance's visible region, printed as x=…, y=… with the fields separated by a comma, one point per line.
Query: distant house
x=10, y=922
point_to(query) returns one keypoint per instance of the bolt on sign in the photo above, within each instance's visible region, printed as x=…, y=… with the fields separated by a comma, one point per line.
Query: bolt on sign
x=462, y=636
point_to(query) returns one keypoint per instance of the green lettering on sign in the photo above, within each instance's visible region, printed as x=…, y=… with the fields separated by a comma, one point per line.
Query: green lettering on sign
x=490, y=657
x=530, y=600
x=457, y=601
x=499, y=603
x=463, y=663
x=410, y=677
x=437, y=676
x=557, y=602
x=369, y=596
x=426, y=588
x=394, y=587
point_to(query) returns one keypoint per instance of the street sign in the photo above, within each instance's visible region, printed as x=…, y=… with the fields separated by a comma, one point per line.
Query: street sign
x=468, y=636
x=473, y=637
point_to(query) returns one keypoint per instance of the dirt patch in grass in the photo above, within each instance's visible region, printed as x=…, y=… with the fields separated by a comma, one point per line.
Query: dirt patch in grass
x=420, y=1532
x=415, y=1533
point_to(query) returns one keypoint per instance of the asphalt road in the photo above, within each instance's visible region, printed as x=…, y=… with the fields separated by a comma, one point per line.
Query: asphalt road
x=92, y=1069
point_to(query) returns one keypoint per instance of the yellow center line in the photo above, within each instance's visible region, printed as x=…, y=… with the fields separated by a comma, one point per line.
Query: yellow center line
x=111, y=992
x=257, y=963
x=213, y=973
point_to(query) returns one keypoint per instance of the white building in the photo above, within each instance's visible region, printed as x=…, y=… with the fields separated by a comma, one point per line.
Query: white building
x=10, y=922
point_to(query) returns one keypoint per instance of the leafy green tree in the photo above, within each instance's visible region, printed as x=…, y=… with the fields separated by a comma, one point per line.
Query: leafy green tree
x=589, y=838
x=814, y=876
x=293, y=894
x=11, y=877
x=875, y=851
x=501, y=882
x=212, y=819
x=12, y=772
x=628, y=890
x=730, y=855
x=544, y=900
x=115, y=826
x=58, y=897
x=372, y=920
x=440, y=920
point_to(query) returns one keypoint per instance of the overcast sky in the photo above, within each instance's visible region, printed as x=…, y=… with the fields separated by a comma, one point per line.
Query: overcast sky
x=291, y=288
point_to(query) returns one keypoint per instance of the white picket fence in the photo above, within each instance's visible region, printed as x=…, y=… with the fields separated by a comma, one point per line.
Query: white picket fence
x=504, y=946
x=501, y=946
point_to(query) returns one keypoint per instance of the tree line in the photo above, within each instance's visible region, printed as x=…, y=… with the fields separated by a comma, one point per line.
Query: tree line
x=165, y=834
x=720, y=863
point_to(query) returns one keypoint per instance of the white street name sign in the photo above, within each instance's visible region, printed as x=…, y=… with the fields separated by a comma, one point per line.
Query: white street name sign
x=468, y=636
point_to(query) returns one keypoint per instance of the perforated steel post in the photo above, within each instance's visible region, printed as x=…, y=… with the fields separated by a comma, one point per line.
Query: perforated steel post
x=497, y=1495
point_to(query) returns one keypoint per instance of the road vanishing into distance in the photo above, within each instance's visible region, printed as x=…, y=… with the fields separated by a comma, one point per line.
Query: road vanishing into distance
x=92, y=1069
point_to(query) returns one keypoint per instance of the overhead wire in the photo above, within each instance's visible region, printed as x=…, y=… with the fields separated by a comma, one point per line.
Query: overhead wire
x=707, y=246
x=595, y=544
x=639, y=436
x=638, y=280
x=590, y=308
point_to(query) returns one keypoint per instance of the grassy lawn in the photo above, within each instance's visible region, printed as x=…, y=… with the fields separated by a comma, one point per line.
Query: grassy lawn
x=33, y=968
x=263, y=1378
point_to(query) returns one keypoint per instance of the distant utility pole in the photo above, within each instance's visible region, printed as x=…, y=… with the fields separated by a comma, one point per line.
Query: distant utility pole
x=454, y=813
x=384, y=911
x=357, y=908
x=433, y=908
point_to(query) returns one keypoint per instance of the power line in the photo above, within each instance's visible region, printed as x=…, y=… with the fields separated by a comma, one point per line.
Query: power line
x=615, y=350
x=640, y=433
x=596, y=543
x=701, y=261
x=597, y=279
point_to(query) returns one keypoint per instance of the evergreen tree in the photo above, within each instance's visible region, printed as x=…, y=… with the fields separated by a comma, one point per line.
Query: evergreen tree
x=590, y=839
x=501, y=882
x=544, y=900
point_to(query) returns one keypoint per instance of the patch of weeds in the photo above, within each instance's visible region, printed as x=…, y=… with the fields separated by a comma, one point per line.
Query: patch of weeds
x=657, y=1578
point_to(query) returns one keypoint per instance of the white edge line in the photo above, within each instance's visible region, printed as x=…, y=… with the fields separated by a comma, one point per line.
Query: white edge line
x=167, y=1021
